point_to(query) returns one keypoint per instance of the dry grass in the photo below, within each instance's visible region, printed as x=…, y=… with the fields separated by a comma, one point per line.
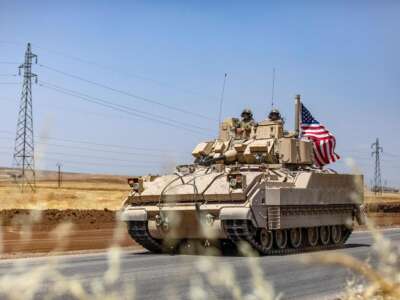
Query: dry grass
x=370, y=197
x=370, y=282
x=95, y=193
x=28, y=282
x=380, y=282
x=72, y=194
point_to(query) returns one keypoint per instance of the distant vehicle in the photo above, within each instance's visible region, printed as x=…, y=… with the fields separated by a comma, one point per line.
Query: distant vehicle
x=256, y=184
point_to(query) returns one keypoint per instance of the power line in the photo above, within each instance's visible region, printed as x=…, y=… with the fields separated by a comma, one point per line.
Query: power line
x=148, y=100
x=52, y=85
x=117, y=107
x=112, y=69
x=391, y=154
x=96, y=149
x=119, y=116
x=46, y=153
x=95, y=143
x=90, y=163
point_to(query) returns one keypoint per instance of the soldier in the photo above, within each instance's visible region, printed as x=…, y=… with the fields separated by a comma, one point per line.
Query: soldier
x=274, y=115
x=246, y=124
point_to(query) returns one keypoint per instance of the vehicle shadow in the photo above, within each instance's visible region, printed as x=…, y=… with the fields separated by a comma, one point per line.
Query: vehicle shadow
x=213, y=251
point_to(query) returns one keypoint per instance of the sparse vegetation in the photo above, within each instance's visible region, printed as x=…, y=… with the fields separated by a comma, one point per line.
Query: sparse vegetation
x=380, y=282
x=72, y=195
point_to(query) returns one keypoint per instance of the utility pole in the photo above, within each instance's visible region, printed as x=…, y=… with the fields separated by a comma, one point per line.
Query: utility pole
x=377, y=150
x=59, y=178
x=24, y=145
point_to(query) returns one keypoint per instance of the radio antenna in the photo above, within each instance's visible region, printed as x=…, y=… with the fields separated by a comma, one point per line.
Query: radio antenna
x=222, y=100
x=273, y=88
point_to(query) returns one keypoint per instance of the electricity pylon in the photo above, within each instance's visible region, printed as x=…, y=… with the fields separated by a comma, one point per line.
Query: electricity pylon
x=24, y=144
x=377, y=150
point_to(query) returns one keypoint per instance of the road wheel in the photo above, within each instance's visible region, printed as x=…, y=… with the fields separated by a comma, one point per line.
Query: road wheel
x=336, y=234
x=346, y=232
x=296, y=237
x=281, y=238
x=325, y=235
x=266, y=239
x=312, y=236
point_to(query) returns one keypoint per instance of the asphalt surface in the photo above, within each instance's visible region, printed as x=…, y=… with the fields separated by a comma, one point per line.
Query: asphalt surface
x=171, y=276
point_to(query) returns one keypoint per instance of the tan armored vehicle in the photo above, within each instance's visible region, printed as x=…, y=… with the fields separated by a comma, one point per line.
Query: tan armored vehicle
x=257, y=185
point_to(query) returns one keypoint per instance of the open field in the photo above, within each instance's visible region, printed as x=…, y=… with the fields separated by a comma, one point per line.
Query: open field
x=72, y=194
x=78, y=191
x=87, y=201
x=81, y=217
x=90, y=202
x=370, y=197
x=100, y=194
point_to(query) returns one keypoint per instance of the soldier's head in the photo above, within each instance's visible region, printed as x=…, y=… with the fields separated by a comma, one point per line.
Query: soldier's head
x=274, y=115
x=247, y=115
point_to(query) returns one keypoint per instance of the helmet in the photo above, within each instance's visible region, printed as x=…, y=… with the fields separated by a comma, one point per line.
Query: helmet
x=247, y=112
x=274, y=115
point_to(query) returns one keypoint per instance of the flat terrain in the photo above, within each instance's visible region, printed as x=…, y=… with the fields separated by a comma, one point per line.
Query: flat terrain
x=89, y=202
x=92, y=191
x=370, y=197
x=80, y=217
x=171, y=277
x=75, y=194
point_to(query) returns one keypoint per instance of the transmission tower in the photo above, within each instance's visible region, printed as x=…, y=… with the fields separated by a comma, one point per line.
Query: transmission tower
x=377, y=150
x=24, y=146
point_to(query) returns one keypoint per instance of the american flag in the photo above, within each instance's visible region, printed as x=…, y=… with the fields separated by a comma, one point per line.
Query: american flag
x=323, y=141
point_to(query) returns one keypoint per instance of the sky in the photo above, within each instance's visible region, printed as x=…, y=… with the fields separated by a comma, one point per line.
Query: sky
x=165, y=61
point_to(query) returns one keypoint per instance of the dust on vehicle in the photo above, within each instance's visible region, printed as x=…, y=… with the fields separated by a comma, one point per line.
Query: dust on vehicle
x=256, y=183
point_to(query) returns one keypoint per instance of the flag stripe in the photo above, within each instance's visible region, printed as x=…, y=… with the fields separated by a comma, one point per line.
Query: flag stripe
x=324, y=142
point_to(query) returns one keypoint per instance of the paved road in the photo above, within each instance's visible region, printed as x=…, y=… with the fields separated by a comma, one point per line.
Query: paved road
x=166, y=276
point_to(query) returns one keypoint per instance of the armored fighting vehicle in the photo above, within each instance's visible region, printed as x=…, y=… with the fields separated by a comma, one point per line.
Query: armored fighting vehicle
x=256, y=184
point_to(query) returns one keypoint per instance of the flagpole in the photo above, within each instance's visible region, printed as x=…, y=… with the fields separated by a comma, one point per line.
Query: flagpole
x=297, y=115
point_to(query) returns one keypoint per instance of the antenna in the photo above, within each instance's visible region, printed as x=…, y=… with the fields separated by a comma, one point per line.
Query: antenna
x=222, y=100
x=273, y=88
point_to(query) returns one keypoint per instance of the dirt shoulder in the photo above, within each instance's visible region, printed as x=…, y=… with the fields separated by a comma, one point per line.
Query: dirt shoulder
x=26, y=233
x=81, y=215
x=51, y=232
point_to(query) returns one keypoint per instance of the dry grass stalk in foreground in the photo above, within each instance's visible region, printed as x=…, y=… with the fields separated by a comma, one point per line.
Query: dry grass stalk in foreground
x=222, y=275
x=48, y=282
x=27, y=282
x=373, y=283
x=383, y=282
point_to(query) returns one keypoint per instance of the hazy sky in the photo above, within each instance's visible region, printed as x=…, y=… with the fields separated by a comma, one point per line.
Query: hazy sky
x=342, y=57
